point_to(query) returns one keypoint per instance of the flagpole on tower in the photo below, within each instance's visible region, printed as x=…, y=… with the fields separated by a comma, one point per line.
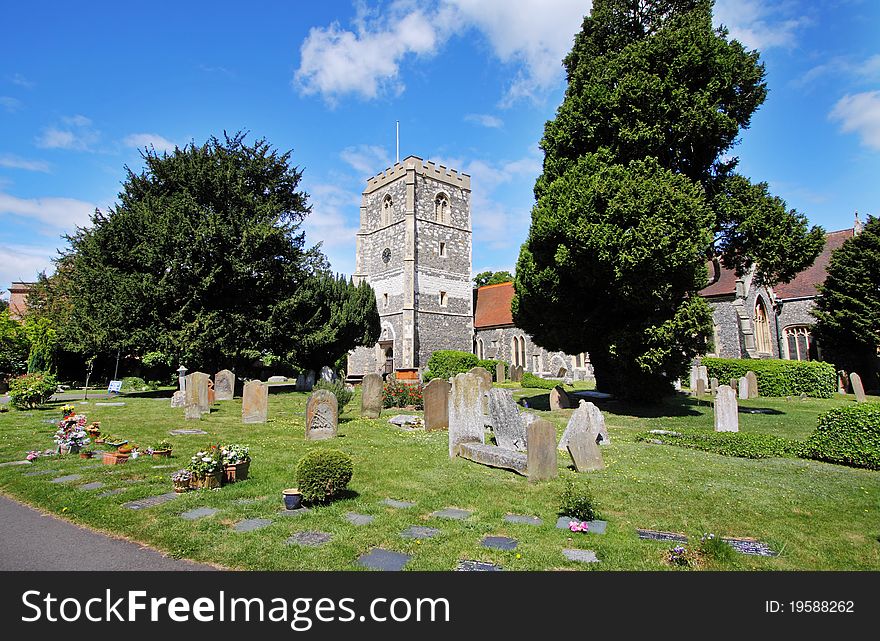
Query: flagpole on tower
x=398, y=140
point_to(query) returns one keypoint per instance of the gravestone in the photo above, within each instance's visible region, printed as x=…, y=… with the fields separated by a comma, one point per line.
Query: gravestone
x=701, y=387
x=561, y=372
x=178, y=399
x=499, y=542
x=327, y=374
x=419, y=532
x=453, y=513
x=695, y=374
x=499, y=372
x=858, y=389
x=465, y=412
x=509, y=428
x=842, y=381
x=301, y=383
x=584, y=452
x=559, y=399
x=485, y=385
x=523, y=519
x=371, y=396
x=733, y=384
x=743, y=388
x=322, y=415
x=726, y=413
x=467, y=565
x=704, y=374
x=249, y=525
x=310, y=380
x=580, y=556
x=211, y=395
x=197, y=395
x=542, y=451
x=655, y=535
x=587, y=419
x=224, y=385
x=435, y=397
x=309, y=539
x=713, y=385
x=277, y=379
x=386, y=560
x=255, y=402
x=359, y=519
x=753, y=384
x=676, y=384
x=400, y=505
x=516, y=373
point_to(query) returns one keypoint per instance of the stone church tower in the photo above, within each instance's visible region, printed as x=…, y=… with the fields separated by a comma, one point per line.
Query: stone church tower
x=414, y=249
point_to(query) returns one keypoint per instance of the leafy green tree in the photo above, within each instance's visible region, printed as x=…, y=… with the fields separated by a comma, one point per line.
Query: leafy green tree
x=202, y=261
x=492, y=278
x=848, y=308
x=638, y=190
x=14, y=346
x=43, y=341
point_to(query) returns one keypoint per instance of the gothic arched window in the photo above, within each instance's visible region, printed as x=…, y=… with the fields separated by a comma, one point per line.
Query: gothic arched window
x=441, y=208
x=798, y=343
x=762, y=329
x=387, y=202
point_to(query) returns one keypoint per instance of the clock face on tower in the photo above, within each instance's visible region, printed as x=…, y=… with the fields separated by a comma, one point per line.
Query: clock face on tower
x=386, y=255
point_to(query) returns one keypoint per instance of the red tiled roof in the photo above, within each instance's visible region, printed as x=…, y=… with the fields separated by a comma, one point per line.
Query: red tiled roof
x=804, y=284
x=724, y=286
x=493, y=305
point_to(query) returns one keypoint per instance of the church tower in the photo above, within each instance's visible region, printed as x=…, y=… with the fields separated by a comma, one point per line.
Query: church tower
x=414, y=249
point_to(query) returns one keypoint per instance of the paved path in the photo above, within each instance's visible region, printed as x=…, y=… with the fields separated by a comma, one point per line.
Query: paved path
x=32, y=540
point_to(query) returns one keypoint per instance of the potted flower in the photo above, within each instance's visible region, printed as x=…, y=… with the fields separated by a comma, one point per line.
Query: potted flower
x=161, y=450
x=70, y=438
x=292, y=498
x=236, y=462
x=207, y=468
x=182, y=480
x=67, y=410
x=89, y=453
x=94, y=430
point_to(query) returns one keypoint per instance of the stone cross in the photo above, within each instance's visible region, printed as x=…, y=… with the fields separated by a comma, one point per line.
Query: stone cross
x=371, y=396
x=499, y=372
x=753, y=384
x=743, y=388
x=322, y=415
x=224, y=385
x=858, y=389
x=435, y=397
x=507, y=424
x=255, y=402
x=466, y=423
x=726, y=410
x=586, y=419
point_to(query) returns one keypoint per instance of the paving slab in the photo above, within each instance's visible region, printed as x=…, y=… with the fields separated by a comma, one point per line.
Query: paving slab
x=476, y=566
x=359, y=519
x=452, y=513
x=750, y=546
x=419, y=532
x=595, y=527
x=249, y=525
x=499, y=543
x=385, y=560
x=67, y=479
x=398, y=504
x=199, y=513
x=41, y=472
x=523, y=519
x=662, y=536
x=150, y=501
x=297, y=512
x=11, y=463
x=91, y=486
x=186, y=432
x=580, y=556
x=120, y=404
x=309, y=539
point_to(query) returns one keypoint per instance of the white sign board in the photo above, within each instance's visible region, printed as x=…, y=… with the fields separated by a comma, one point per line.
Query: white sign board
x=115, y=387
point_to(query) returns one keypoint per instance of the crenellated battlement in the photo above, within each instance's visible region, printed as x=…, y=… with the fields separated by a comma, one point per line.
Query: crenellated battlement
x=425, y=168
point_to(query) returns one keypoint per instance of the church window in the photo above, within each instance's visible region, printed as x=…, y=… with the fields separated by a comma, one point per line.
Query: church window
x=387, y=202
x=480, y=353
x=762, y=329
x=443, y=299
x=385, y=300
x=442, y=249
x=441, y=208
x=798, y=343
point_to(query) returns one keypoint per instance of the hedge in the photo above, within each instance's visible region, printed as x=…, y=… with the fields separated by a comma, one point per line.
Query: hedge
x=532, y=381
x=847, y=435
x=740, y=444
x=778, y=377
x=446, y=363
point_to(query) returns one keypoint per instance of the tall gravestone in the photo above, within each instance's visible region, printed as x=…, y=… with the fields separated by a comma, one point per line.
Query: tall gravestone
x=300, y=382
x=842, y=379
x=542, y=451
x=435, y=397
x=586, y=419
x=255, y=402
x=584, y=452
x=327, y=374
x=858, y=389
x=726, y=410
x=559, y=399
x=485, y=384
x=733, y=384
x=507, y=424
x=371, y=396
x=743, y=388
x=704, y=374
x=197, y=402
x=701, y=387
x=713, y=385
x=499, y=372
x=695, y=374
x=310, y=380
x=752, y=378
x=322, y=415
x=224, y=385
x=516, y=373
x=465, y=412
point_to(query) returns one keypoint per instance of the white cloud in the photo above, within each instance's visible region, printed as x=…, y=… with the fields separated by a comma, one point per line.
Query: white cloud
x=367, y=160
x=333, y=211
x=10, y=104
x=24, y=262
x=12, y=161
x=77, y=134
x=759, y=24
x=155, y=141
x=867, y=70
x=485, y=120
x=58, y=213
x=860, y=113
x=21, y=81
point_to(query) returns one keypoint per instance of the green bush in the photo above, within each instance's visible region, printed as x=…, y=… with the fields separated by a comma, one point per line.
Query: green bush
x=30, y=390
x=741, y=444
x=445, y=363
x=576, y=501
x=778, y=377
x=847, y=435
x=322, y=475
x=401, y=394
x=133, y=384
x=342, y=393
x=530, y=380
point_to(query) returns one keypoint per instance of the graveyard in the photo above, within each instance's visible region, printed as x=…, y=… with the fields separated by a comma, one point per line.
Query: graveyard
x=415, y=504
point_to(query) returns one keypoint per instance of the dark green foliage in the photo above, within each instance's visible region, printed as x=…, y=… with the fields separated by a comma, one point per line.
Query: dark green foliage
x=446, y=363
x=134, y=384
x=848, y=308
x=402, y=394
x=847, y=435
x=30, y=390
x=637, y=192
x=740, y=444
x=323, y=475
x=492, y=278
x=339, y=389
x=532, y=381
x=778, y=377
x=576, y=501
x=14, y=346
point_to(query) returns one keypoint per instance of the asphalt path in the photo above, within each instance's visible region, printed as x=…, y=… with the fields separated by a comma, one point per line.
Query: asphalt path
x=32, y=540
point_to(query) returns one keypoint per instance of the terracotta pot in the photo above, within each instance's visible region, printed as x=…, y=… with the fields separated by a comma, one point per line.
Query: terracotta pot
x=236, y=472
x=181, y=486
x=114, y=458
x=85, y=455
x=161, y=453
x=209, y=481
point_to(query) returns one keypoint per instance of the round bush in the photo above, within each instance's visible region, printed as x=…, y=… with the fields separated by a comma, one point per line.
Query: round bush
x=847, y=435
x=322, y=475
x=31, y=390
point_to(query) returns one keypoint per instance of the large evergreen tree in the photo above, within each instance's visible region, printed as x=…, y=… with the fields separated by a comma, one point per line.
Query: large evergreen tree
x=202, y=260
x=638, y=190
x=848, y=308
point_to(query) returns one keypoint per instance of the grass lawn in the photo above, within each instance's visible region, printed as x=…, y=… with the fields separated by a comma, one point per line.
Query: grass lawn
x=819, y=516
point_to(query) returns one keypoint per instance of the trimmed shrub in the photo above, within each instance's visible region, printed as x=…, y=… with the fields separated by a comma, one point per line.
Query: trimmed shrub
x=445, y=363
x=576, y=501
x=133, y=384
x=30, y=390
x=400, y=394
x=339, y=389
x=740, y=444
x=323, y=475
x=847, y=435
x=778, y=377
x=530, y=380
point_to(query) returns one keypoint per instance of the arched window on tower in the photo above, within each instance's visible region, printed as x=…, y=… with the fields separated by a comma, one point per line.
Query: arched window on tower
x=762, y=329
x=441, y=208
x=387, y=202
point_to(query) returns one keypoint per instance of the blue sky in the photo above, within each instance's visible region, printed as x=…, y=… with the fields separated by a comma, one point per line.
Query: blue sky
x=472, y=82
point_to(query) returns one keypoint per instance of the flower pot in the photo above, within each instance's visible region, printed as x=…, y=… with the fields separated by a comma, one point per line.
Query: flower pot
x=161, y=453
x=236, y=472
x=114, y=458
x=85, y=455
x=209, y=481
x=181, y=486
x=292, y=498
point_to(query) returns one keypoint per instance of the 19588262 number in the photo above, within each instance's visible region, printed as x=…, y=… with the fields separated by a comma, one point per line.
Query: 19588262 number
x=822, y=606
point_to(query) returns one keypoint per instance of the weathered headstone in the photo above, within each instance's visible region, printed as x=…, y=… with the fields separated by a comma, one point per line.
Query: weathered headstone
x=713, y=385
x=701, y=387
x=277, y=379
x=224, y=385
x=726, y=410
x=509, y=428
x=465, y=412
x=485, y=385
x=516, y=373
x=327, y=374
x=704, y=374
x=322, y=415
x=561, y=372
x=733, y=384
x=858, y=389
x=310, y=380
x=753, y=384
x=301, y=383
x=371, y=396
x=197, y=395
x=178, y=399
x=254, y=402
x=435, y=397
x=842, y=381
x=542, y=451
x=743, y=388
x=584, y=452
x=676, y=384
x=695, y=374
x=559, y=399
x=586, y=419
x=499, y=372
